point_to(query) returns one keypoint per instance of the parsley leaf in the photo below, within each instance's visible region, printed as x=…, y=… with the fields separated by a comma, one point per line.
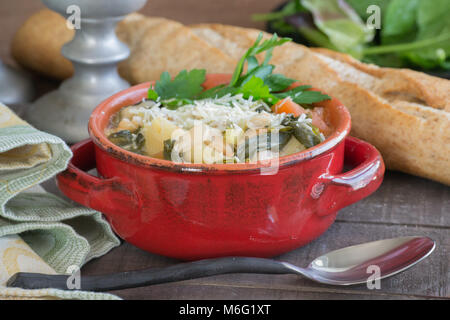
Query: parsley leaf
x=217, y=92
x=152, y=95
x=185, y=85
x=277, y=82
x=257, y=48
x=260, y=72
x=300, y=96
x=256, y=88
x=259, y=82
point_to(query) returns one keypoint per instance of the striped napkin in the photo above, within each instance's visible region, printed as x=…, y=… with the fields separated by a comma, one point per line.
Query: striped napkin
x=40, y=232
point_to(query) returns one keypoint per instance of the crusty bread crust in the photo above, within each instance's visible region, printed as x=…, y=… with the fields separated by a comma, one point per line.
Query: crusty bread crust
x=37, y=44
x=404, y=113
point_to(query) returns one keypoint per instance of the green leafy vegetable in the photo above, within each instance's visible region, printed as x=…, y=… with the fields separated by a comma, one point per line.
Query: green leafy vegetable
x=256, y=88
x=259, y=82
x=433, y=22
x=300, y=96
x=261, y=72
x=257, y=143
x=128, y=140
x=257, y=48
x=152, y=95
x=185, y=85
x=340, y=23
x=305, y=133
x=414, y=32
x=277, y=82
x=400, y=21
x=168, y=147
x=360, y=6
x=217, y=92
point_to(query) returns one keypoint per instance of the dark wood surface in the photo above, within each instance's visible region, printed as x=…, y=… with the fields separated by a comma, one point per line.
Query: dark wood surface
x=404, y=205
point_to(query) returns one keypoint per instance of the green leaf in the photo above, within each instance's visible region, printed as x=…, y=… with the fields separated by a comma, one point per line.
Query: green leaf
x=400, y=20
x=252, y=63
x=317, y=37
x=292, y=93
x=300, y=96
x=340, y=23
x=168, y=147
x=417, y=32
x=433, y=21
x=360, y=6
x=255, y=49
x=277, y=82
x=260, y=72
x=390, y=60
x=175, y=103
x=217, y=92
x=256, y=88
x=184, y=85
x=240, y=66
x=152, y=95
x=308, y=97
x=259, y=82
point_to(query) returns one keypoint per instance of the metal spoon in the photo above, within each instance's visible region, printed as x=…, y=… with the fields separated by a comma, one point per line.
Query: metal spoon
x=345, y=266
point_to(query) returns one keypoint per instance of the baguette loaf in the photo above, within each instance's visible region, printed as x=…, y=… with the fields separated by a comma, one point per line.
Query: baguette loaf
x=405, y=114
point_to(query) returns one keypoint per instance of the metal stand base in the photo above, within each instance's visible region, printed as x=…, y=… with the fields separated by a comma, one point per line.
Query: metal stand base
x=94, y=52
x=63, y=115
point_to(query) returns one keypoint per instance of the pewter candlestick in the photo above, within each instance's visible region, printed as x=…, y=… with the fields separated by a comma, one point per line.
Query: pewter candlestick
x=94, y=52
x=15, y=86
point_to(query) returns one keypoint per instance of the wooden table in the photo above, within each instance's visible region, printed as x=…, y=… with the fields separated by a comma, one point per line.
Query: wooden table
x=404, y=205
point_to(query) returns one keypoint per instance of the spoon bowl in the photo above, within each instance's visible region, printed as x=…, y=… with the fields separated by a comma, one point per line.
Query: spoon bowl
x=354, y=264
x=347, y=266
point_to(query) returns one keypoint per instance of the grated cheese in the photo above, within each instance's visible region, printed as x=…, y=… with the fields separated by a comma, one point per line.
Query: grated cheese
x=220, y=113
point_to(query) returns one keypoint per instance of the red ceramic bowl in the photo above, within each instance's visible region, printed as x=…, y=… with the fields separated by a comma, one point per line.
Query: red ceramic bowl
x=195, y=211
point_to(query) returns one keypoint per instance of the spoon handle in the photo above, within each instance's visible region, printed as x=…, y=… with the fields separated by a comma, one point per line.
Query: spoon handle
x=140, y=278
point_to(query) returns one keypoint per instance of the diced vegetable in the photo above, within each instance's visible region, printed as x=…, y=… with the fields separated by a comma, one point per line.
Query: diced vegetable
x=168, y=147
x=127, y=140
x=261, y=141
x=293, y=146
x=126, y=124
x=230, y=122
x=156, y=133
x=288, y=106
x=306, y=133
x=211, y=155
x=318, y=116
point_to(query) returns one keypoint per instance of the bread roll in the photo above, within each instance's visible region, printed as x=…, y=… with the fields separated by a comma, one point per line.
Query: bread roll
x=37, y=44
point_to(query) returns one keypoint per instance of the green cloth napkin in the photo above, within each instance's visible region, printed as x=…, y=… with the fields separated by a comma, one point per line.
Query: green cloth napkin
x=60, y=233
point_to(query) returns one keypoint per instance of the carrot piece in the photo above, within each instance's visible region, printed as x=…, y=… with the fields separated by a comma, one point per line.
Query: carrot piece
x=213, y=80
x=288, y=106
x=318, y=120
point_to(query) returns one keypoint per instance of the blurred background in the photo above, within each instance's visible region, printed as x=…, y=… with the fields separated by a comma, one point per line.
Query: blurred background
x=14, y=13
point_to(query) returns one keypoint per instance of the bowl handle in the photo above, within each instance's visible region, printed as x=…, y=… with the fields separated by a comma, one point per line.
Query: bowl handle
x=351, y=186
x=104, y=195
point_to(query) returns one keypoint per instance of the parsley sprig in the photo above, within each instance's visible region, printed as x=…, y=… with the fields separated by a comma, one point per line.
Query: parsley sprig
x=258, y=82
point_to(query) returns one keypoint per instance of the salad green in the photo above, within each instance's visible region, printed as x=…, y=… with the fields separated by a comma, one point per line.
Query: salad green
x=414, y=33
